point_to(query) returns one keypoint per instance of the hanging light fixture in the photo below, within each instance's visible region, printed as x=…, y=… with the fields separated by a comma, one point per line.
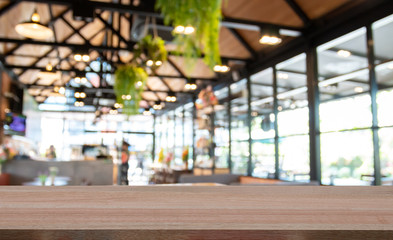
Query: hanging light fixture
x=221, y=68
x=113, y=111
x=191, y=85
x=171, y=97
x=184, y=30
x=80, y=78
x=157, y=105
x=34, y=29
x=147, y=112
x=270, y=36
x=81, y=54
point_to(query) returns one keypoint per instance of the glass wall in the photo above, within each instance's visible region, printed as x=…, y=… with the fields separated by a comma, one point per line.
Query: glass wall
x=262, y=126
x=239, y=127
x=383, y=51
x=345, y=114
x=292, y=119
x=221, y=131
x=345, y=111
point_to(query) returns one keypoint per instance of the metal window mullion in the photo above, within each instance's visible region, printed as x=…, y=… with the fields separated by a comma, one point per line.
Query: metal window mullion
x=373, y=95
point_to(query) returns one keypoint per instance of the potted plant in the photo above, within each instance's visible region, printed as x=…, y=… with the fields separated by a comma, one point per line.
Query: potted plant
x=203, y=17
x=129, y=82
x=151, y=50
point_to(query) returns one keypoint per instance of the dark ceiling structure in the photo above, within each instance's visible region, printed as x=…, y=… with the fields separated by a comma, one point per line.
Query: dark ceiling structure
x=110, y=29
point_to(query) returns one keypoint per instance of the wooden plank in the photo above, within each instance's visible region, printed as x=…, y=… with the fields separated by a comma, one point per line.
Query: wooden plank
x=196, y=212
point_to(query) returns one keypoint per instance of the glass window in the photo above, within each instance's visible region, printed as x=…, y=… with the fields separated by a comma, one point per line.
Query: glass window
x=262, y=125
x=386, y=154
x=347, y=157
x=239, y=128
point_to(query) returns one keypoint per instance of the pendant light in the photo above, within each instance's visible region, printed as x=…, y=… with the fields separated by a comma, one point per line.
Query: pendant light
x=34, y=29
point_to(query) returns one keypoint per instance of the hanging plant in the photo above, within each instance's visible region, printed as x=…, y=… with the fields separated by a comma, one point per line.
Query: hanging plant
x=153, y=49
x=204, y=16
x=129, y=83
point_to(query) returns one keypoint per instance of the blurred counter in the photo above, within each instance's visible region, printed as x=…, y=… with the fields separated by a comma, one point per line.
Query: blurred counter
x=79, y=172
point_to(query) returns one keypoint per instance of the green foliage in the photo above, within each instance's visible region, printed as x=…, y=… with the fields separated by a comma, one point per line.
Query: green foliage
x=152, y=47
x=127, y=78
x=205, y=17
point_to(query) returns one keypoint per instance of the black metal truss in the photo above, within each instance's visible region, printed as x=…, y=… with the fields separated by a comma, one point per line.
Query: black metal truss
x=299, y=12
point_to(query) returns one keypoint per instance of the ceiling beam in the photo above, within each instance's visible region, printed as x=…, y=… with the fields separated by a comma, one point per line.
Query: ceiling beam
x=8, y=7
x=299, y=12
x=92, y=47
x=243, y=42
x=99, y=72
x=107, y=89
x=147, y=9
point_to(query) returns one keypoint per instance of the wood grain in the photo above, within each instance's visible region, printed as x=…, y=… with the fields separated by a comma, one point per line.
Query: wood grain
x=196, y=212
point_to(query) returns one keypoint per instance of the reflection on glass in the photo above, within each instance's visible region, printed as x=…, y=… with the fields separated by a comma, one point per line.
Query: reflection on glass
x=347, y=158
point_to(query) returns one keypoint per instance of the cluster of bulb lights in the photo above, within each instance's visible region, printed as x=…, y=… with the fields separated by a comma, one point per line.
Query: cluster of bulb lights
x=147, y=112
x=113, y=111
x=126, y=97
x=184, y=30
x=157, y=106
x=118, y=105
x=221, y=68
x=150, y=63
x=80, y=80
x=270, y=40
x=79, y=95
x=190, y=86
x=170, y=98
x=79, y=104
x=81, y=57
x=60, y=90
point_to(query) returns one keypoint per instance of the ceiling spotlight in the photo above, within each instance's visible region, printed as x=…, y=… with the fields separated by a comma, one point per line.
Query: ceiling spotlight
x=171, y=97
x=149, y=63
x=184, y=30
x=343, y=53
x=49, y=67
x=157, y=105
x=221, y=68
x=279, y=108
x=34, y=29
x=358, y=89
x=139, y=83
x=158, y=63
x=283, y=75
x=270, y=37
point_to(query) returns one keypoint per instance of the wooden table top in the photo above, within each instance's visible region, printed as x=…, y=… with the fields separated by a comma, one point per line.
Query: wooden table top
x=196, y=212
